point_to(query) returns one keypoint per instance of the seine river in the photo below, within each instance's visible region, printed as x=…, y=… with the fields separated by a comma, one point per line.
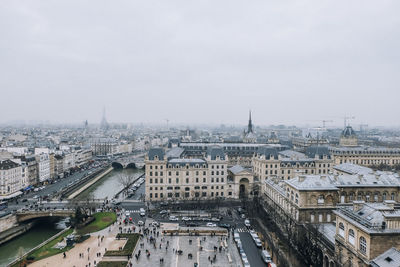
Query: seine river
x=108, y=186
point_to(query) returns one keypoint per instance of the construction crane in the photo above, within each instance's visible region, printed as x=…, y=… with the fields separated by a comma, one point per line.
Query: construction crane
x=325, y=121
x=348, y=118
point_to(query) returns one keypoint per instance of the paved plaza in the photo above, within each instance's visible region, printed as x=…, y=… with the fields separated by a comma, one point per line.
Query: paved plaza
x=203, y=250
x=156, y=249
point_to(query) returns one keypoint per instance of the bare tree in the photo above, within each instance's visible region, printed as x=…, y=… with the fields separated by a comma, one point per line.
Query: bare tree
x=125, y=180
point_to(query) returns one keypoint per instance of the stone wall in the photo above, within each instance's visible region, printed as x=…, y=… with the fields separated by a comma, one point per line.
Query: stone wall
x=8, y=222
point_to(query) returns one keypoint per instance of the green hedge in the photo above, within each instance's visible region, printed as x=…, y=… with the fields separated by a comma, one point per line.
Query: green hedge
x=127, y=250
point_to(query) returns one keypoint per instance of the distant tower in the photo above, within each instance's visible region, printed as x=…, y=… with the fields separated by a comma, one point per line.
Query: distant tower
x=249, y=136
x=250, y=125
x=86, y=124
x=104, y=124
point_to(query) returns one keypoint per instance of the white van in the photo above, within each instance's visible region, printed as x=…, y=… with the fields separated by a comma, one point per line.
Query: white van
x=266, y=257
x=236, y=237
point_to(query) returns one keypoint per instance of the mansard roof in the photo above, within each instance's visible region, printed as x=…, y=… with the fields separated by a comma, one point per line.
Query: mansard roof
x=157, y=151
x=319, y=151
x=215, y=151
x=268, y=152
x=348, y=132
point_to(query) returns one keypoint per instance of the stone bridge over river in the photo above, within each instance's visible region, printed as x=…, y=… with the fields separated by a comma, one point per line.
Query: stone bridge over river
x=133, y=161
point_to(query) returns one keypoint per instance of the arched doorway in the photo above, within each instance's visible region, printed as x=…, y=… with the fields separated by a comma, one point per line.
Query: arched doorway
x=243, y=188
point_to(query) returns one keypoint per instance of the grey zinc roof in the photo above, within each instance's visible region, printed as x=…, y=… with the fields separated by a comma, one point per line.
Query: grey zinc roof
x=389, y=258
x=268, y=152
x=156, y=152
x=215, y=151
x=365, y=180
x=313, y=182
x=348, y=131
x=237, y=169
x=8, y=164
x=292, y=154
x=175, y=152
x=319, y=151
x=370, y=216
x=352, y=168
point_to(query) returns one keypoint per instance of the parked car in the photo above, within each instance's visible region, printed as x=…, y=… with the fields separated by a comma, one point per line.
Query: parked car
x=211, y=224
x=258, y=243
x=173, y=218
x=224, y=225
x=186, y=219
x=163, y=212
x=266, y=257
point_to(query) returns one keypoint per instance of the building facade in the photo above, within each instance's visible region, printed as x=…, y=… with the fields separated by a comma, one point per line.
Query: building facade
x=10, y=179
x=312, y=198
x=366, y=156
x=43, y=167
x=366, y=230
x=270, y=163
x=171, y=177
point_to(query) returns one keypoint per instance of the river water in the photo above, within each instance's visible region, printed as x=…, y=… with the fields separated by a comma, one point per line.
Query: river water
x=108, y=186
x=43, y=230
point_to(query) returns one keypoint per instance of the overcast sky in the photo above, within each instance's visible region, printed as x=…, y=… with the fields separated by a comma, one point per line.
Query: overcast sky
x=290, y=62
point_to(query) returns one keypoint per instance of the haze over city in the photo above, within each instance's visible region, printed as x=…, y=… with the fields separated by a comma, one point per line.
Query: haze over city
x=200, y=62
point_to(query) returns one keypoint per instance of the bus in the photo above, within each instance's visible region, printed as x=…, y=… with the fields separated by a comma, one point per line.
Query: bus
x=3, y=205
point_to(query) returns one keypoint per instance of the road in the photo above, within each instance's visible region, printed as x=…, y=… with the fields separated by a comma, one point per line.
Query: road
x=50, y=189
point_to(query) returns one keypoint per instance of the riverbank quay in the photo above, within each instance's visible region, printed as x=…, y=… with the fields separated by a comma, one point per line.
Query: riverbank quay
x=91, y=250
x=15, y=231
x=34, y=253
x=84, y=184
x=125, y=188
x=50, y=248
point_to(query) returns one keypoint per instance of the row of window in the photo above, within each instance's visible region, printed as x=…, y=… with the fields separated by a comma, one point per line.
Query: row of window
x=156, y=167
x=368, y=197
x=362, y=242
x=187, y=180
x=186, y=188
x=188, y=195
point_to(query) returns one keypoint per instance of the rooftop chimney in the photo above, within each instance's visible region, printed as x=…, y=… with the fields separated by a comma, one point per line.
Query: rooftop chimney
x=390, y=203
x=358, y=205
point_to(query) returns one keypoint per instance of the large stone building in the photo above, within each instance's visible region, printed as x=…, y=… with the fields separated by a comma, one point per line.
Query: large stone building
x=302, y=142
x=364, y=231
x=312, y=198
x=366, y=156
x=348, y=138
x=169, y=176
x=238, y=153
x=268, y=162
x=10, y=179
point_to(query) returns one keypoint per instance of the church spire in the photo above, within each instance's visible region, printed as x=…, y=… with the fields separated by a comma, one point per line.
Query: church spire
x=250, y=125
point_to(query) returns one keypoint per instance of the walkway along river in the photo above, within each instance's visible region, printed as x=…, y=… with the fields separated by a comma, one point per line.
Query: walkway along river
x=108, y=186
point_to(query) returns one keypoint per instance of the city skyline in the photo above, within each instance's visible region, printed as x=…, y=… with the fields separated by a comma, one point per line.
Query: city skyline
x=147, y=62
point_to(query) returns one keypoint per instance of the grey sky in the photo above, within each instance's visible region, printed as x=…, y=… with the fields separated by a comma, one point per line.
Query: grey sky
x=291, y=62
